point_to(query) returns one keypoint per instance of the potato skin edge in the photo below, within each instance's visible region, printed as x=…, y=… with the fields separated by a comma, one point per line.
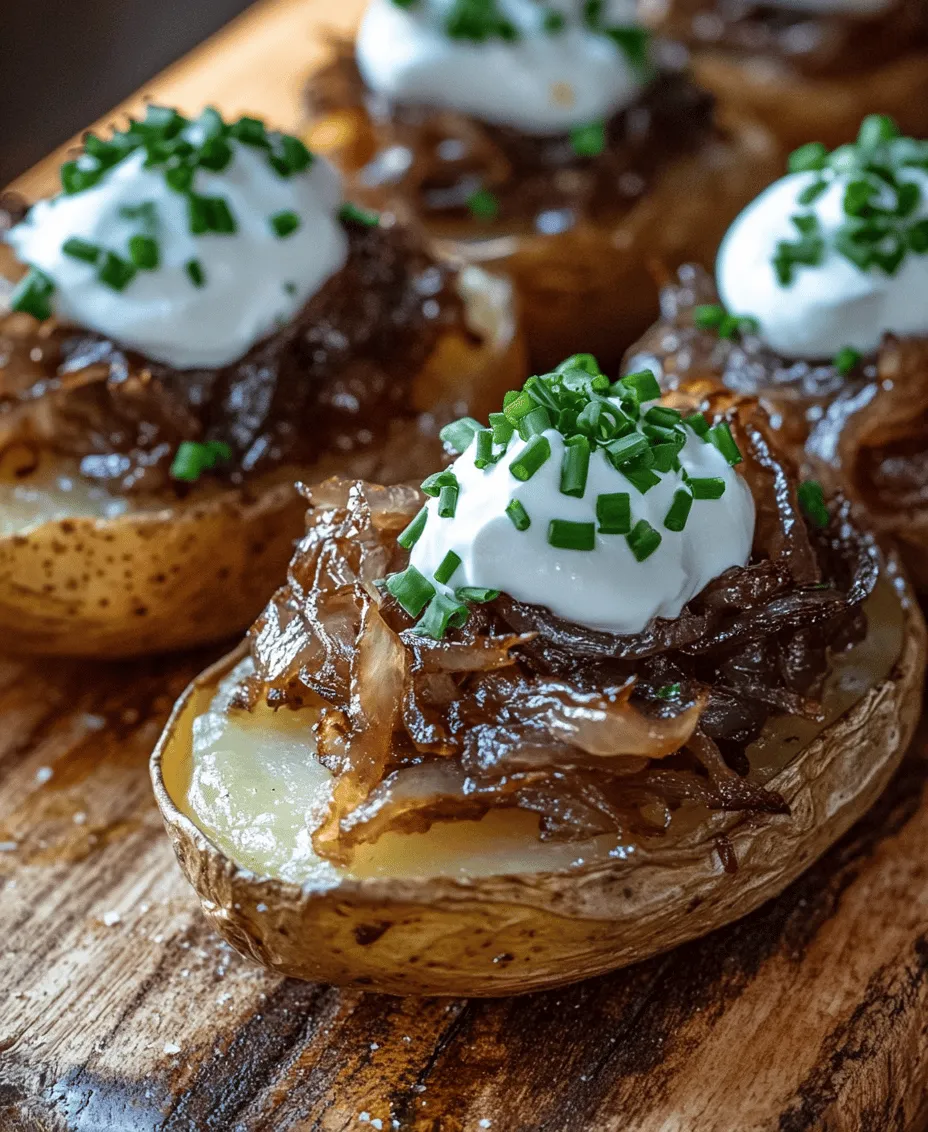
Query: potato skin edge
x=509, y=935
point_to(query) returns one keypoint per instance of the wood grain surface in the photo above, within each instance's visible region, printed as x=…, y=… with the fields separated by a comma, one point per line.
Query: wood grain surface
x=119, y=1010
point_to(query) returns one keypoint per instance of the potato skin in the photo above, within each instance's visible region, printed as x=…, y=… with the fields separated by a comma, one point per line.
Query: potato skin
x=513, y=934
x=798, y=108
x=200, y=569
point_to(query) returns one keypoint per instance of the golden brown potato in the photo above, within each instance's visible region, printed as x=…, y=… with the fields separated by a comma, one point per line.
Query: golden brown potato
x=168, y=575
x=391, y=928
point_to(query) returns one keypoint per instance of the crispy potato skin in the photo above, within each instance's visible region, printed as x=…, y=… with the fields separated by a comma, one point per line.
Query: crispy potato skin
x=513, y=934
x=201, y=569
x=798, y=108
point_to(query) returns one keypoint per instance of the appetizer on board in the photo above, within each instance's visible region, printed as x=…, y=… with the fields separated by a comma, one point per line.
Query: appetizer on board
x=199, y=320
x=819, y=308
x=549, y=140
x=610, y=680
x=806, y=68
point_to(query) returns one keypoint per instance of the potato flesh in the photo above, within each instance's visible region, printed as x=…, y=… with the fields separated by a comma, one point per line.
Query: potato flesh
x=256, y=790
x=52, y=492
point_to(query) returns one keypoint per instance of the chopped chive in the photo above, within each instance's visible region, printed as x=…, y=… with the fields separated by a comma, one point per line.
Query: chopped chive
x=614, y=513
x=845, y=360
x=698, y=424
x=502, y=428
x=32, y=294
x=144, y=252
x=708, y=316
x=410, y=535
x=411, y=589
x=642, y=384
x=447, y=567
x=669, y=691
x=179, y=178
x=665, y=456
x=483, y=453
x=812, y=502
x=483, y=205
x=251, y=131
x=808, y=158
x=626, y=448
x=458, y=434
x=442, y=613
x=76, y=178
x=284, y=223
x=291, y=155
x=448, y=501
x=518, y=515
x=215, y=154
x=210, y=214
x=720, y=435
x=80, y=249
x=643, y=540
x=195, y=272
x=641, y=478
x=553, y=21
x=433, y=484
x=663, y=415
x=679, y=512
x=589, y=140
x=534, y=422
x=193, y=457
x=875, y=129
x=115, y=273
x=586, y=362
x=531, y=458
x=519, y=406
x=706, y=487
x=567, y=535
x=575, y=466
x=351, y=213
x=478, y=594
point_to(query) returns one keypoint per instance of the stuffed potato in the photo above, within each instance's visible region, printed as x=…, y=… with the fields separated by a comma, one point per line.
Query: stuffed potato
x=472, y=793
x=528, y=154
x=156, y=408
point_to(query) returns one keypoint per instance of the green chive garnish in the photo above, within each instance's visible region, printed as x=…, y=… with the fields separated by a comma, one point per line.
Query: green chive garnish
x=483, y=451
x=411, y=589
x=706, y=487
x=517, y=406
x=194, y=457
x=518, y=515
x=442, y=613
x=144, y=252
x=663, y=416
x=80, y=249
x=614, y=513
x=575, y=466
x=845, y=360
x=643, y=479
x=433, y=484
x=478, y=594
x=533, y=455
x=643, y=540
x=665, y=456
x=447, y=567
x=589, y=140
x=354, y=214
x=195, y=272
x=812, y=502
x=115, y=272
x=669, y=691
x=643, y=385
x=483, y=205
x=448, y=501
x=720, y=435
x=502, y=428
x=698, y=423
x=675, y=519
x=251, y=131
x=284, y=223
x=553, y=21
x=458, y=435
x=410, y=535
x=32, y=294
x=626, y=448
x=567, y=535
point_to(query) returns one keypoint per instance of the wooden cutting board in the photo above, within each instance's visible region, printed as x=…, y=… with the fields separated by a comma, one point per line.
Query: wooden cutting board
x=120, y=1011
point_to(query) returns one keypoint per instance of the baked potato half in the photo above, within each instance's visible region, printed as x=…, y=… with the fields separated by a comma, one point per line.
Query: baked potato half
x=498, y=920
x=86, y=573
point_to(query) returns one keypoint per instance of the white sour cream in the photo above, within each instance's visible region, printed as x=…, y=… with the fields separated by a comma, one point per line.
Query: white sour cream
x=604, y=588
x=826, y=307
x=540, y=83
x=253, y=280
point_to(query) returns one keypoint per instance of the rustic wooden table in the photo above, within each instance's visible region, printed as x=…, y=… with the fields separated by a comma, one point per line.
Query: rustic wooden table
x=119, y=1010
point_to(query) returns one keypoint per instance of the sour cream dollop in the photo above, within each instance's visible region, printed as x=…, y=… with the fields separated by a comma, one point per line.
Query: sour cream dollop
x=251, y=281
x=540, y=82
x=828, y=306
x=605, y=588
